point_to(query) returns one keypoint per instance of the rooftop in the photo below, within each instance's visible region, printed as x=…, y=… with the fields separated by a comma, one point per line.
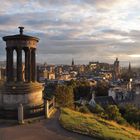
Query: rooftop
x=20, y=36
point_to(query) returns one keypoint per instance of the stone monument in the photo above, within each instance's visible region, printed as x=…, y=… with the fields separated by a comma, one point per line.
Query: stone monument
x=20, y=89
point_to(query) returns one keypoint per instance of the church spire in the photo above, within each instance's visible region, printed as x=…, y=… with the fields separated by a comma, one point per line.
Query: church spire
x=129, y=68
x=72, y=62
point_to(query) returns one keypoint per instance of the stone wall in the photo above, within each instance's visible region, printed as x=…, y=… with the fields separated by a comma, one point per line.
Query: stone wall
x=31, y=98
x=136, y=101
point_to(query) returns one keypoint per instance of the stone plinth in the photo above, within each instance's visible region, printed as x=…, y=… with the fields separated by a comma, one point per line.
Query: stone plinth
x=27, y=94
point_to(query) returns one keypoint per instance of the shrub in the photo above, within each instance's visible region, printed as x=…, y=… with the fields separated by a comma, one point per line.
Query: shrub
x=96, y=109
x=132, y=115
x=114, y=114
x=121, y=120
x=84, y=109
x=64, y=96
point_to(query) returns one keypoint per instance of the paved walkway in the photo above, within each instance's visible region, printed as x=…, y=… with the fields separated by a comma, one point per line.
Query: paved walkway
x=43, y=130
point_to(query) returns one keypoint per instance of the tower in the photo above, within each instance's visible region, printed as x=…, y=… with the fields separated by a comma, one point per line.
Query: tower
x=72, y=63
x=129, y=68
x=116, y=70
x=21, y=89
x=130, y=72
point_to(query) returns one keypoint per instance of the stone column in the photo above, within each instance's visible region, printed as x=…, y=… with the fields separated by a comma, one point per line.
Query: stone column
x=9, y=64
x=29, y=65
x=53, y=102
x=26, y=64
x=20, y=114
x=46, y=109
x=19, y=65
x=33, y=63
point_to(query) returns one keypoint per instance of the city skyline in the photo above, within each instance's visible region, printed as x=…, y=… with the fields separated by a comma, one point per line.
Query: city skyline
x=86, y=30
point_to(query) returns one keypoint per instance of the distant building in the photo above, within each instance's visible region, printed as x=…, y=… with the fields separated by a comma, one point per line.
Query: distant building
x=81, y=69
x=64, y=76
x=97, y=66
x=123, y=96
x=45, y=72
x=51, y=75
x=72, y=64
x=104, y=101
x=3, y=73
x=129, y=68
x=116, y=70
x=106, y=74
x=136, y=88
x=130, y=72
x=59, y=70
x=0, y=75
x=93, y=66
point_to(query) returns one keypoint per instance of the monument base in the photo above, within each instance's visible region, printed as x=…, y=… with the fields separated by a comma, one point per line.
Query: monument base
x=28, y=94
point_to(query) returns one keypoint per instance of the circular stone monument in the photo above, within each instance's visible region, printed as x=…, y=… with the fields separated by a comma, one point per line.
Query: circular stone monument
x=21, y=86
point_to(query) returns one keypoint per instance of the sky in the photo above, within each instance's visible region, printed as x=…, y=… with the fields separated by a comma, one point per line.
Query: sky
x=85, y=30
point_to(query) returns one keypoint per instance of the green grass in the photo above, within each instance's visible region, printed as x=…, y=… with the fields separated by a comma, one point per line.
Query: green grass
x=95, y=126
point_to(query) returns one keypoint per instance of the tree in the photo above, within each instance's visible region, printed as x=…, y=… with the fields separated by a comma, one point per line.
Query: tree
x=131, y=114
x=82, y=90
x=114, y=114
x=72, y=83
x=102, y=88
x=64, y=96
x=97, y=109
x=84, y=109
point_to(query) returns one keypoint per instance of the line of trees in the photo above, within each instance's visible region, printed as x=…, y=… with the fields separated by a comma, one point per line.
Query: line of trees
x=75, y=90
x=68, y=93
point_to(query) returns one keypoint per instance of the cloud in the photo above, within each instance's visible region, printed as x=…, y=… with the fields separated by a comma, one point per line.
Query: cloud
x=81, y=29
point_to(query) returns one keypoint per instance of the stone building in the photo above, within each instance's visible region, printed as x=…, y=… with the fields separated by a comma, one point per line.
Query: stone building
x=23, y=90
x=64, y=76
x=116, y=70
x=2, y=74
x=130, y=73
x=72, y=63
x=45, y=74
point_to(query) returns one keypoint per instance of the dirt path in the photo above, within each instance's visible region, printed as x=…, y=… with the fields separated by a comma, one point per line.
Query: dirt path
x=43, y=130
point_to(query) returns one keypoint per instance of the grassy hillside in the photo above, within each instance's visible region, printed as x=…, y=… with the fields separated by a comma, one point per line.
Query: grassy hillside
x=95, y=126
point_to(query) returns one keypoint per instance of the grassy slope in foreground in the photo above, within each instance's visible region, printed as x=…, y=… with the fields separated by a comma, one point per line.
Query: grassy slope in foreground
x=95, y=126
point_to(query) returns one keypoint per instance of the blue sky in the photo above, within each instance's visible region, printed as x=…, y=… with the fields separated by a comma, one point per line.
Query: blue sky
x=86, y=30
